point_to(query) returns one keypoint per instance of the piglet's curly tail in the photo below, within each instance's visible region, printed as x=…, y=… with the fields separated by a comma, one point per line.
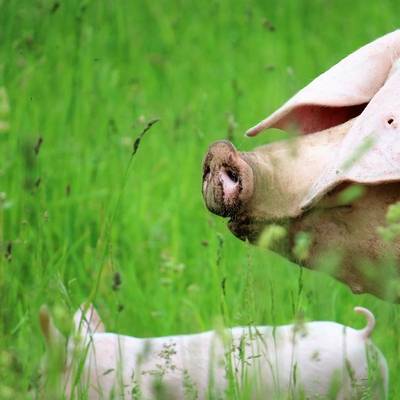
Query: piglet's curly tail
x=366, y=332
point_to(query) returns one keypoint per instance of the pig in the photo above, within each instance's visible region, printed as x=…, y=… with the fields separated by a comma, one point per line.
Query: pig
x=314, y=360
x=348, y=125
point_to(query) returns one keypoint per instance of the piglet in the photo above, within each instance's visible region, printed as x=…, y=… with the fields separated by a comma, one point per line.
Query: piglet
x=314, y=360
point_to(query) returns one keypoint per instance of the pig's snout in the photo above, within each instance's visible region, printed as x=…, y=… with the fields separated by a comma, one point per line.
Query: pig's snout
x=227, y=180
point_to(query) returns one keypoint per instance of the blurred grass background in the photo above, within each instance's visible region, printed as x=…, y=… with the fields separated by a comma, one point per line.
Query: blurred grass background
x=82, y=79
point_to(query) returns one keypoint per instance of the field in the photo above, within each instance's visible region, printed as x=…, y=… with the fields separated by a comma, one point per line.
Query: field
x=81, y=218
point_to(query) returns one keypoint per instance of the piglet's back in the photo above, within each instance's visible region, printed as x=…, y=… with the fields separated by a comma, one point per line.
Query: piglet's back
x=344, y=354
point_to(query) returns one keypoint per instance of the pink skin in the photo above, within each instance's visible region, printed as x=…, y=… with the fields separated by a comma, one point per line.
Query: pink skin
x=103, y=365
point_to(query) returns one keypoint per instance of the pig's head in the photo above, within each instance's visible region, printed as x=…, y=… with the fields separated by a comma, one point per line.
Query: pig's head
x=350, y=116
x=267, y=185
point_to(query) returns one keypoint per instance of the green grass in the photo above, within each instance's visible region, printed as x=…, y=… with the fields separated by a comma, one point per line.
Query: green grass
x=87, y=78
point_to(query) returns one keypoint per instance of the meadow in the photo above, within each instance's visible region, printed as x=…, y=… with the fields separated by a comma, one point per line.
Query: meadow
x=83, y=218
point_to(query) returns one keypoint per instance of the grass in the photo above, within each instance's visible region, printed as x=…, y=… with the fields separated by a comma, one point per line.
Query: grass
x=79, y=218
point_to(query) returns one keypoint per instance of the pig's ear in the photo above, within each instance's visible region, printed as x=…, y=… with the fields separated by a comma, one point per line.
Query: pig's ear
x=370, y=151
x=50, y=333
x=340, y=93
x=87, y=321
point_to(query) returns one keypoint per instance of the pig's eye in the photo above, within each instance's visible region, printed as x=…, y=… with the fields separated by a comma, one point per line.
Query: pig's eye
x=390, y=121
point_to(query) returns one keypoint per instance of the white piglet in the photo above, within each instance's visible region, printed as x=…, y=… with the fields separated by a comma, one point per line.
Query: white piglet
x=314, y=360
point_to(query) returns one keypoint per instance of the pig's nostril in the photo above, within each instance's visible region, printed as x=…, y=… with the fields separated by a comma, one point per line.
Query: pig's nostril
x=229, y=181
x=233, y=176
x=206, y=172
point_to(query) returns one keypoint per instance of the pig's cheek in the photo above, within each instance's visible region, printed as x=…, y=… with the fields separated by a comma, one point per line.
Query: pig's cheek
x=328, y=233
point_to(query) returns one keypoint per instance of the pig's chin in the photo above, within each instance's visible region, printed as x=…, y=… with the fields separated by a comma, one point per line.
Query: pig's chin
x=246, y=228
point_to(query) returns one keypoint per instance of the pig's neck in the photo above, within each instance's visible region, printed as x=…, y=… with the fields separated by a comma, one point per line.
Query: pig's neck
x=284, y=171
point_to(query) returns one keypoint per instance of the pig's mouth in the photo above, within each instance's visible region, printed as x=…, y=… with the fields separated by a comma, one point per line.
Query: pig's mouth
x=250, y=228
